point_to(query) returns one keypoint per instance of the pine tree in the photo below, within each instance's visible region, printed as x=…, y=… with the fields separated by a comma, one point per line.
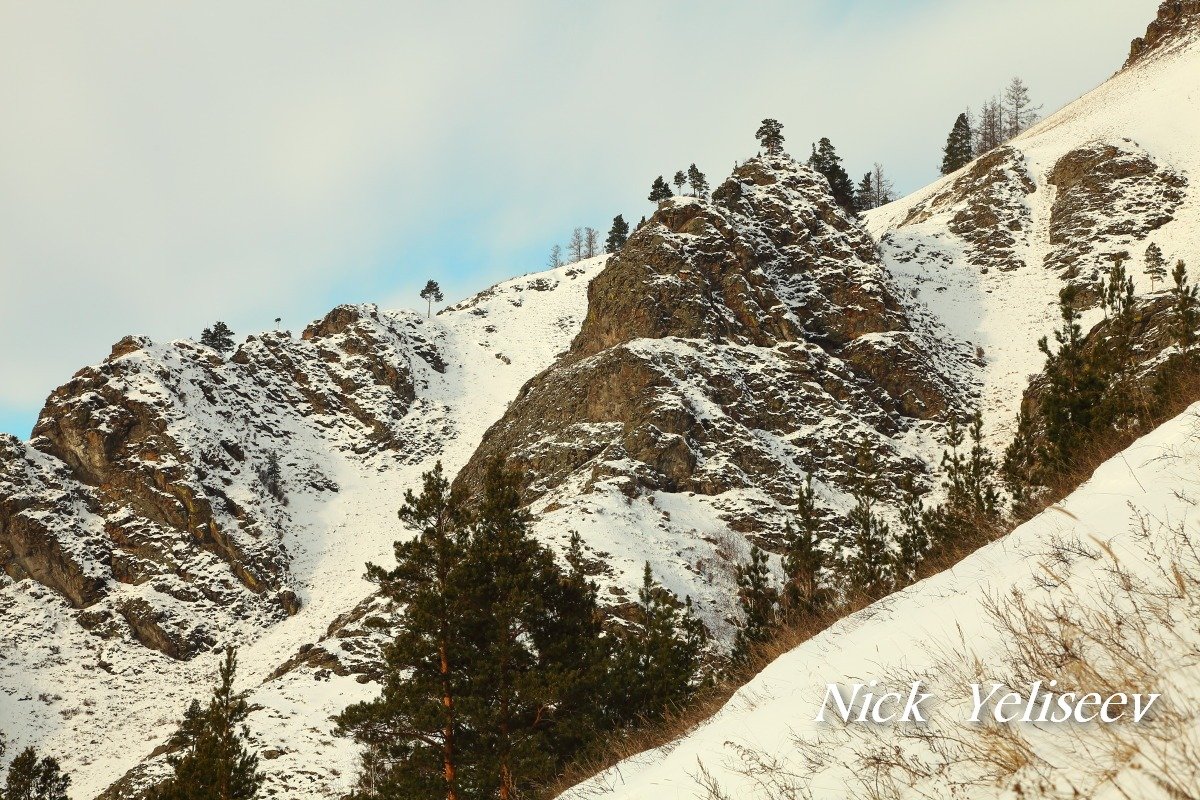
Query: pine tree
x=499, y=670
x=1018, y=111
x=211, y=761
x=959, y=149
x=575, y=246
x=1118, y=290
x=770, y=136
x=1156, y=265
x=1073, y=387
x=413, y=730
x=680, y=180
x=760, y=604
x=432, y=293
x=913, y=540
x=802, y=557
x=270, y=475
x=656, y=663
x=659, y=190
x=869, y=534
x=864, y=195
x=1186, y=301
x=555, y=260
x=31, y=778
x=219, y=337
x=616, y=235
x=826, y=161
x=697, y=181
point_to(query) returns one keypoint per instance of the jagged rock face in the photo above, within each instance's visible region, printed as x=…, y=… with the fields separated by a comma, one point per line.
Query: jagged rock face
x=732, y=346
x=1110, y=196
x=133, y=477
x=986, y=209
x=1177, y=21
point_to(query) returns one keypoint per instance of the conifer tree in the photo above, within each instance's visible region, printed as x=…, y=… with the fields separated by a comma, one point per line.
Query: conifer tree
x=412, y=731
x=802, y=557
x=959, y=149
x=31, y=778
x=1118, y=291
x=680, y=180
x=869, y=534
x=1073, y=386
x=770, y=136
x=760, y=604
x=555, y=260
x=881, y=186
x=697, y=181
x=1156, y=265
x=826, y=161
x=432, y=293
x=219, y=337
x=617, y=235
x=500, y=669
x=656, y=663
x=1186, y=301
x=211, y=761
x=864, y=195
x=659, y=190
x=913, y=540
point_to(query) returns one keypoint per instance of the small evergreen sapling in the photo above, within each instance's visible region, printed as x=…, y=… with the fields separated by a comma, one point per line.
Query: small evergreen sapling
x=759, y=600
x=869, y=534
x=432, y=293
x=803, y=558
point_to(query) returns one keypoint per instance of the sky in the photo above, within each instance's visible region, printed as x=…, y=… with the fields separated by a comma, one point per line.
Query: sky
x=165, y=165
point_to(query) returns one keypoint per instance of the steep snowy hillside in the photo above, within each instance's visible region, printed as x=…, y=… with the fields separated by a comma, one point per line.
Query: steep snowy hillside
x=139, y=527
x=988, y=248
x=1100, y=593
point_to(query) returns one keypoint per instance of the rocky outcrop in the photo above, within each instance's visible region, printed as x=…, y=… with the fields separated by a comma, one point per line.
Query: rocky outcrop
x=150, y=470
x=731, y=347
x=987, y=209
x=1177, y=21
x=1109, y=197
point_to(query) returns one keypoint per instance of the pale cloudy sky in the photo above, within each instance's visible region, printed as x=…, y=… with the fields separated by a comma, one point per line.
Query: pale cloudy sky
x=163, y=165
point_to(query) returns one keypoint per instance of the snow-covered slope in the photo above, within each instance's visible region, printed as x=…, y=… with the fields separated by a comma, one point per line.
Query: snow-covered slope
x=988, y=248
x=1100, y=592
x=985, y=252
x=140, y=499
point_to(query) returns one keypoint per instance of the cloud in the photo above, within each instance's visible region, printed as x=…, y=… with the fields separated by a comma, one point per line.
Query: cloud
x=165, y=165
